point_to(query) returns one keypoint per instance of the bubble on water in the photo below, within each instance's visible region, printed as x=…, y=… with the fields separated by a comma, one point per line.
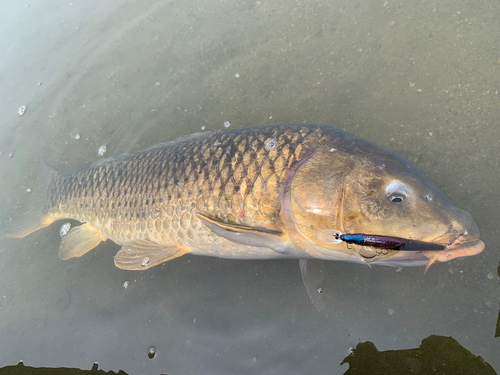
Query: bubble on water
x=145, y=262
x=217, y=144
x=320, y=290
x=430, y=134
x=227, y=124
x=203, y=127
x=64, y=229
x=125, y=284
x=155, y=213
x=11, y=154
x=237, y=75
x=271, y=144
x=102, y=150
x=28, y=190
x=270, y=117
x=151, y=352
x=77, y=136
x=21, y=110
x=40, y=83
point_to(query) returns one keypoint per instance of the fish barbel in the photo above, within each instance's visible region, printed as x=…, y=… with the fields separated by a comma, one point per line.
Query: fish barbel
x=254, y=193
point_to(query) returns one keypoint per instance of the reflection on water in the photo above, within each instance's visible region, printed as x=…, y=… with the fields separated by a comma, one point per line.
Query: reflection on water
x=436, y=355
x=497, y=331
x=421, y=78
x=21, y=369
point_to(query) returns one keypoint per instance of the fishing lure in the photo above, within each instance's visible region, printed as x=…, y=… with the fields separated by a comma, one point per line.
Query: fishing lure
x=390, y=243
x=384, y=242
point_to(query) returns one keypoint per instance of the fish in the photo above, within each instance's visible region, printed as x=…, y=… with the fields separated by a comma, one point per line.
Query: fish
x=266, y=192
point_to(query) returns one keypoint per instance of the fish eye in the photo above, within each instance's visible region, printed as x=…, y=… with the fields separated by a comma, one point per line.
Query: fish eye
x=396, y=192
x=396, y=198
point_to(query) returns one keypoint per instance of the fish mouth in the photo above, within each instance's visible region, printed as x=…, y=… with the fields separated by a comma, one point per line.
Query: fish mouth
x=463, y=245
x=452, y=245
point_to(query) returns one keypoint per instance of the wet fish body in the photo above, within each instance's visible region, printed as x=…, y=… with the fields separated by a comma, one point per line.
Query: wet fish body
x=254, y=193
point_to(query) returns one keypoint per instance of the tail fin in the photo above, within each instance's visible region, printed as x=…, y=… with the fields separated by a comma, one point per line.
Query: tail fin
x=36, y=218
x=30, y=222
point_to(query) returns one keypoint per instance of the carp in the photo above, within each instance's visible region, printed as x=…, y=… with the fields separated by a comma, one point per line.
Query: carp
x=277, y=191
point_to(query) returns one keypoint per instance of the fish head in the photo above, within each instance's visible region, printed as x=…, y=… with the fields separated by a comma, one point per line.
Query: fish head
x=378, y=192
x=392, y=198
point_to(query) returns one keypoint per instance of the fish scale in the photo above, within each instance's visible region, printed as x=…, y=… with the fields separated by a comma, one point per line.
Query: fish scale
x=227, y=175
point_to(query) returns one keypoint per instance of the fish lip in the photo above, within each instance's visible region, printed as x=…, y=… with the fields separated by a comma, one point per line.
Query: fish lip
x=471, y=246
x=458, y=250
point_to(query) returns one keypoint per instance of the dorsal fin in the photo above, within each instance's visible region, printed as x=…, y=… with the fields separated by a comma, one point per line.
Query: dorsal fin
x=49, y=172
x=128, y=154
x=196, y=134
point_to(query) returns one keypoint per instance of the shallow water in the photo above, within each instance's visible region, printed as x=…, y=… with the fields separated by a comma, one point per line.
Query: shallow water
x=422, y=79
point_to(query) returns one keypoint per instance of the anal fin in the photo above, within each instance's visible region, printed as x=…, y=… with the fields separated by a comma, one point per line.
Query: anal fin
x=142, y=254
x=79, y=241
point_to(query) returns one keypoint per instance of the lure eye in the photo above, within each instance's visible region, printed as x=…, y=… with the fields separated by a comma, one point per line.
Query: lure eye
x=396, y=198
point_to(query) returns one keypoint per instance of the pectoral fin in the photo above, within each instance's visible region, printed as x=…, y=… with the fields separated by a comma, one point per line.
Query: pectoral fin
x=79, y=241
x=245, y=235
x=312, y=271
x=143, y=254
